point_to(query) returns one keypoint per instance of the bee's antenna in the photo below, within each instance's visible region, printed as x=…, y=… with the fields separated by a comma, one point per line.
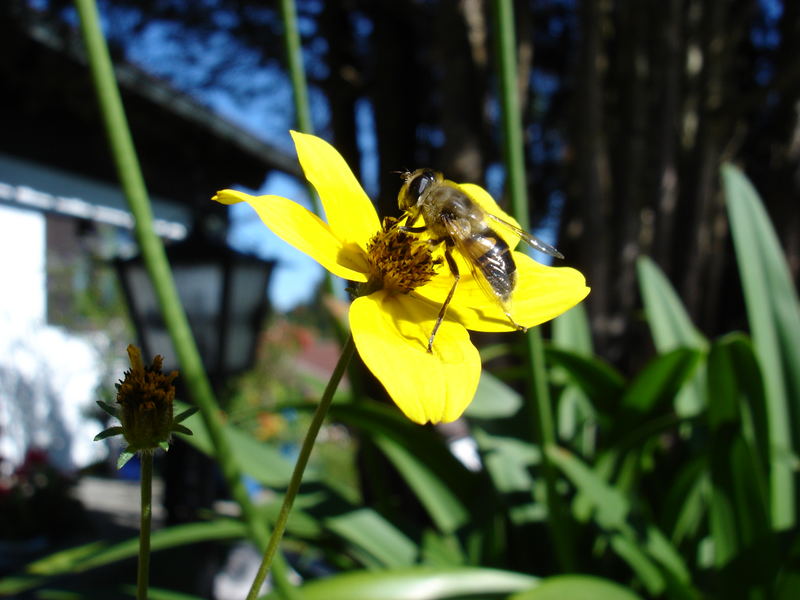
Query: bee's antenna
x=403, y=174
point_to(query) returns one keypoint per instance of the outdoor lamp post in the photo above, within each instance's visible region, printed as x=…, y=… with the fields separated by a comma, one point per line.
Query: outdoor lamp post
x=223, y=293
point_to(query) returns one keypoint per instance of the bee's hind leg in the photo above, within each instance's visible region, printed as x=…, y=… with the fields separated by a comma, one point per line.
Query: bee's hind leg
x=442, y=311
x=516, y=325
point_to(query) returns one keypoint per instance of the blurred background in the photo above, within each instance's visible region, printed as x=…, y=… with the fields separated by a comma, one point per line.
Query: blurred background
x=628, y=106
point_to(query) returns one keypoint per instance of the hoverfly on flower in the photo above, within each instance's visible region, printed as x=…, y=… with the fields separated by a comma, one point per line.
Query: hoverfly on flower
x=455, y=219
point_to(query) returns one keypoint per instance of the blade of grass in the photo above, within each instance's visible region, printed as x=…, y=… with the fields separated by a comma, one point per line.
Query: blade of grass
x=132, y=182
x=542, y=414
x=774, y=316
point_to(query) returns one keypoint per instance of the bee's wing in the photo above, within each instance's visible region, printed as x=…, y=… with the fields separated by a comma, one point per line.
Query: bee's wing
x=526, y=237
x=493, y=265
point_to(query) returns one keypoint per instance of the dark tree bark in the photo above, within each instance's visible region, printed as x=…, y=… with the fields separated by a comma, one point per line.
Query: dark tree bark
x=344, y=82
x=583, y=227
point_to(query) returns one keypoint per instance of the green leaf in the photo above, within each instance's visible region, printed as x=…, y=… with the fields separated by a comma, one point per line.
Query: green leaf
x=686, y=502
x=263, y=462
x=601, y=382
x=112, y=410
x=655, y=386
x=637, y=541
x=96, y=554
x=739, y=508
x=418, y=583
x=90, y=556
x=185, y=414
x=14, y=584
x=161, y=594
x=669, y=322
x=371, y=533
x=774, y=316
x=671, y=328
x=124, y=457
x=107, y=433
x=575, y=410
x=436, y=476
x=493, y=399
x=178, y=428
x=576, y=587
x=571, y=331
x=442, y=551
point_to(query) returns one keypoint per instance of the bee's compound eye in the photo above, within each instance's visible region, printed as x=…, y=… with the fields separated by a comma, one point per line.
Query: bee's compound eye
x=419, y=184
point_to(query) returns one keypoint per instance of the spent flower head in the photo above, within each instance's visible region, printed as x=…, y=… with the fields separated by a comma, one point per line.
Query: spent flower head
x=400, y=286
x=145, y=398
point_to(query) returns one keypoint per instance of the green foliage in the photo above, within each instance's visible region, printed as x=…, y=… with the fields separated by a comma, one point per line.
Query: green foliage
x=678, y=480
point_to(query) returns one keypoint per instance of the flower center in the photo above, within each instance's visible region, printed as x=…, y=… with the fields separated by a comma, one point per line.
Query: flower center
x=401, y=261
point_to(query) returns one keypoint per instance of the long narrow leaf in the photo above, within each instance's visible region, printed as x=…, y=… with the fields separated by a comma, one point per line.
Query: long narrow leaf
x=774, y=316
x=576, y=587
x=441, y=483
x=739, y=509
x=672, y=328
x=638, y=542
x=262, y=462
x=418, y=583
x=386, y=545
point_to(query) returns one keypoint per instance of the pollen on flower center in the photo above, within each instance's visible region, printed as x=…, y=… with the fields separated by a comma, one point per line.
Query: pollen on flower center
x=401, y=261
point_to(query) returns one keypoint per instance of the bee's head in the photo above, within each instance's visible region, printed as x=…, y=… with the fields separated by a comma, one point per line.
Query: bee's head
x=414, y=186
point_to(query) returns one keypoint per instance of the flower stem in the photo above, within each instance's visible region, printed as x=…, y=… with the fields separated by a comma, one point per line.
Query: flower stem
x=146, y=508
x=541, y=411
x=132, y=183
x=300, y=466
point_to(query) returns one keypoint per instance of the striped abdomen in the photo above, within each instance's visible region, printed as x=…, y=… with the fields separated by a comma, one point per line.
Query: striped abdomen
x=492, y=256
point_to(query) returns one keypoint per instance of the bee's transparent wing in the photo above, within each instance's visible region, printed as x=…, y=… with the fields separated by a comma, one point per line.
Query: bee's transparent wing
x=492, y=267
x=526, y=237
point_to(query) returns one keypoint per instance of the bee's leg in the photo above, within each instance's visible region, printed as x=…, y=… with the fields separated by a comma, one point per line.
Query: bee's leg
x=442, y=311
x=407, y=227
x=514, y=323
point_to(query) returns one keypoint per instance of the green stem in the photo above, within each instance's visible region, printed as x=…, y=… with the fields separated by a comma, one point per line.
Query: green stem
x=300, y=466
x=541, y=412
x=294, y=61
x=132, y=182
x=297, y=74
x=146, y=508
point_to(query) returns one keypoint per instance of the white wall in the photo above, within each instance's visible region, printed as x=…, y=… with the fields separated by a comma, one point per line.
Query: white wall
x=47, y=376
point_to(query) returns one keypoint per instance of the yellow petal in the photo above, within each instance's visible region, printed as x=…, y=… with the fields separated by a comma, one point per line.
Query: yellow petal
x=542, y=293
x=348, y=210
x=391, y=333
x=305, y=231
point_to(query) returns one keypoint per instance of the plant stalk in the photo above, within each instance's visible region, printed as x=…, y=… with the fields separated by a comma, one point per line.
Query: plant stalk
x=146, y=508
x=541, y=413
x=300, y=466
x=132, y=183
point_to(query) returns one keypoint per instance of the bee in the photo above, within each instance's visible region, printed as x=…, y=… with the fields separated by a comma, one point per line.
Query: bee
x=456, y=220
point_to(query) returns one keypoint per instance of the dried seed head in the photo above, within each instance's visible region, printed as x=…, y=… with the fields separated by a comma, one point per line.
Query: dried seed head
x=146, y=396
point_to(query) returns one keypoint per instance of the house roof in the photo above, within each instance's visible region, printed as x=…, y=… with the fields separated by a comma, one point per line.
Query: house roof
x=49, y=115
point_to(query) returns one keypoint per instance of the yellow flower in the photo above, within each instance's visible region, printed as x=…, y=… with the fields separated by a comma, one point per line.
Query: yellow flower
x=402, y=285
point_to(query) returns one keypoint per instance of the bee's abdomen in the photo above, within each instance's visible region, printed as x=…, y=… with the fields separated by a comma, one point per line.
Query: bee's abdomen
x=496, y=263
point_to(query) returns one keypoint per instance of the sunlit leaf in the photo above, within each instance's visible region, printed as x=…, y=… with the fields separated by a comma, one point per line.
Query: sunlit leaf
x=418, y=583
x=576, y=587
x=367, y=530
x=773, y=312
